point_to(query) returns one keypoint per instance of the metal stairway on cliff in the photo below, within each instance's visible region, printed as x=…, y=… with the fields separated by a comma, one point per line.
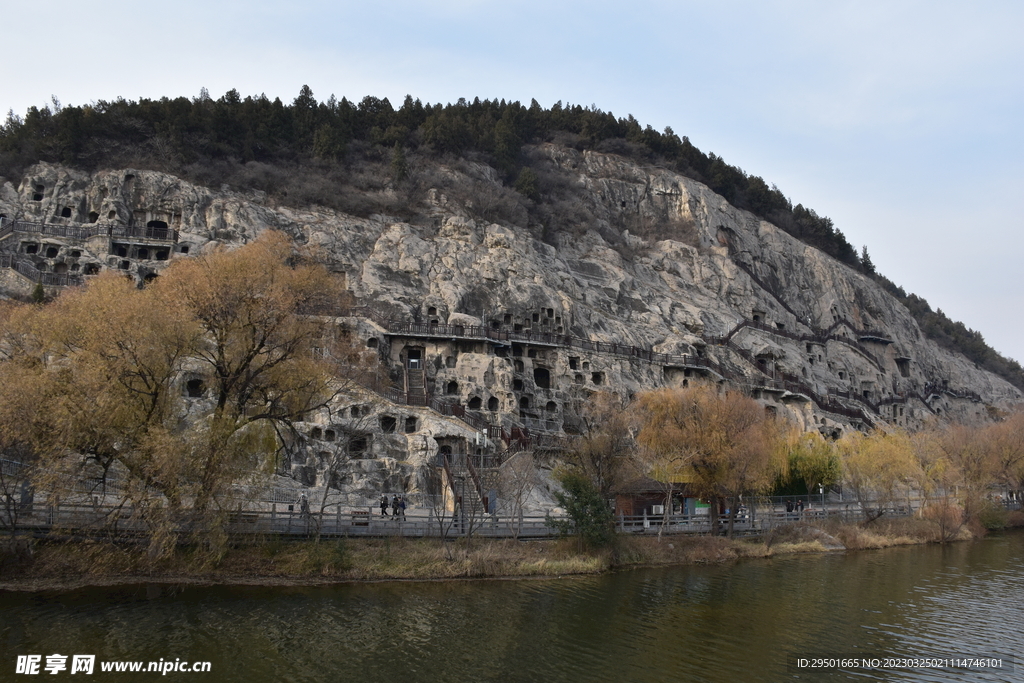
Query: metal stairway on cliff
x=416, y=386
x=466, y=486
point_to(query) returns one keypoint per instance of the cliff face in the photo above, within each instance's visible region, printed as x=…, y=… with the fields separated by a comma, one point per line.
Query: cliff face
x=730, y=298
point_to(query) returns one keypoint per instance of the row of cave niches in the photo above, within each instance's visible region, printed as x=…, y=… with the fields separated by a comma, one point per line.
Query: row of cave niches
x=139, y=252
x=542, y=322
x=526, y=403
x=39, y=194
x=358, y=444
x=143, y=253
x=118, y=252
x=388, y=424
x=51, y=251
x=542, y=375
x=91, y=217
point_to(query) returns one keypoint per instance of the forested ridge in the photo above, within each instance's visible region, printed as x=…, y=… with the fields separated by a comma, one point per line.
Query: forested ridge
x=328, y=152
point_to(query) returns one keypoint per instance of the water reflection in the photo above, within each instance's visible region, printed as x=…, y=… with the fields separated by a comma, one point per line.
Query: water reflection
x=733, y=623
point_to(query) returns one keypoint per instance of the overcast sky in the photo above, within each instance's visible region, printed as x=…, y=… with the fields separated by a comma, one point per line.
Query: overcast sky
x=902, y=121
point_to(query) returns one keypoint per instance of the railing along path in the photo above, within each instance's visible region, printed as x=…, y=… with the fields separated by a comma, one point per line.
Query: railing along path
x=27, y=268
x=115, y=521
x=84, y=232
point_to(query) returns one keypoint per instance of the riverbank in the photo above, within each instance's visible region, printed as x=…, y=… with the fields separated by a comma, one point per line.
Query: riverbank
x=63, y=566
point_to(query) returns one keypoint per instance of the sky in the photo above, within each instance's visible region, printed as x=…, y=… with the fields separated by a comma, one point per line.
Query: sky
x=902, y=121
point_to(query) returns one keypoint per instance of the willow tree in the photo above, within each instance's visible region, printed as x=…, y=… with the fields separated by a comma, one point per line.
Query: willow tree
x=939, y=479
x=1005, y=441
x=879, y=467
x=974, y=464
x=17, y=408
x=175, y=389
x=814, y=460
x=721, y=442
x=254, y=348
x=16, y=405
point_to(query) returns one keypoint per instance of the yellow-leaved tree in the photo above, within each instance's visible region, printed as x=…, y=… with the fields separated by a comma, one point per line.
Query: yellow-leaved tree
x=721, y=444
x=1005, y=441
x=880, y=469
x=176, y=391
x=814, y=460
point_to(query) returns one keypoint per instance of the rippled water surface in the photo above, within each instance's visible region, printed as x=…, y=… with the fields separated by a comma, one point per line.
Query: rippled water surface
x=737, y=623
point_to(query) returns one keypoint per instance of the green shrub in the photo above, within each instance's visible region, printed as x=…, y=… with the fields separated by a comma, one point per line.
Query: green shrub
x=590, y=520
x=993, y=516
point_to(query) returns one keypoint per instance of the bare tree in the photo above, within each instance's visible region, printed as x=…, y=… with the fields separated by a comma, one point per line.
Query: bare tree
x=603, y=450
x=473, y=511
x=15, y=485
x=517, y=480
x=350, y=441
x=440, y=494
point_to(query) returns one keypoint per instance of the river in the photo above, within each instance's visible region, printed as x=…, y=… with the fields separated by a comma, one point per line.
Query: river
x=749, y=621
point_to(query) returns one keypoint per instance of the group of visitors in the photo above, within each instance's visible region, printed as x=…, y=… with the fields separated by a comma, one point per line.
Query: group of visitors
x=397, y=506
x=795, y=507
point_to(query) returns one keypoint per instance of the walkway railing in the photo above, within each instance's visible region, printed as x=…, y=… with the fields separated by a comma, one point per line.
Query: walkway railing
x=338, y=520
x=761, y=519
x=483, y=333
x=83, y=232
x=27, y=268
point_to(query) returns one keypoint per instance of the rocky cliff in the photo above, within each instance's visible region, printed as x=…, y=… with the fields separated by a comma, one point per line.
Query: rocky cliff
x=483, y=315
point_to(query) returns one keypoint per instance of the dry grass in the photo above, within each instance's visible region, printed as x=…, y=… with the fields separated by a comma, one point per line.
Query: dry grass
x=798, y=547
x=648, y=550
x=334, y=560
x=1015, y=519
x=428, y=559
x=885, y=533
x=276, y=561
